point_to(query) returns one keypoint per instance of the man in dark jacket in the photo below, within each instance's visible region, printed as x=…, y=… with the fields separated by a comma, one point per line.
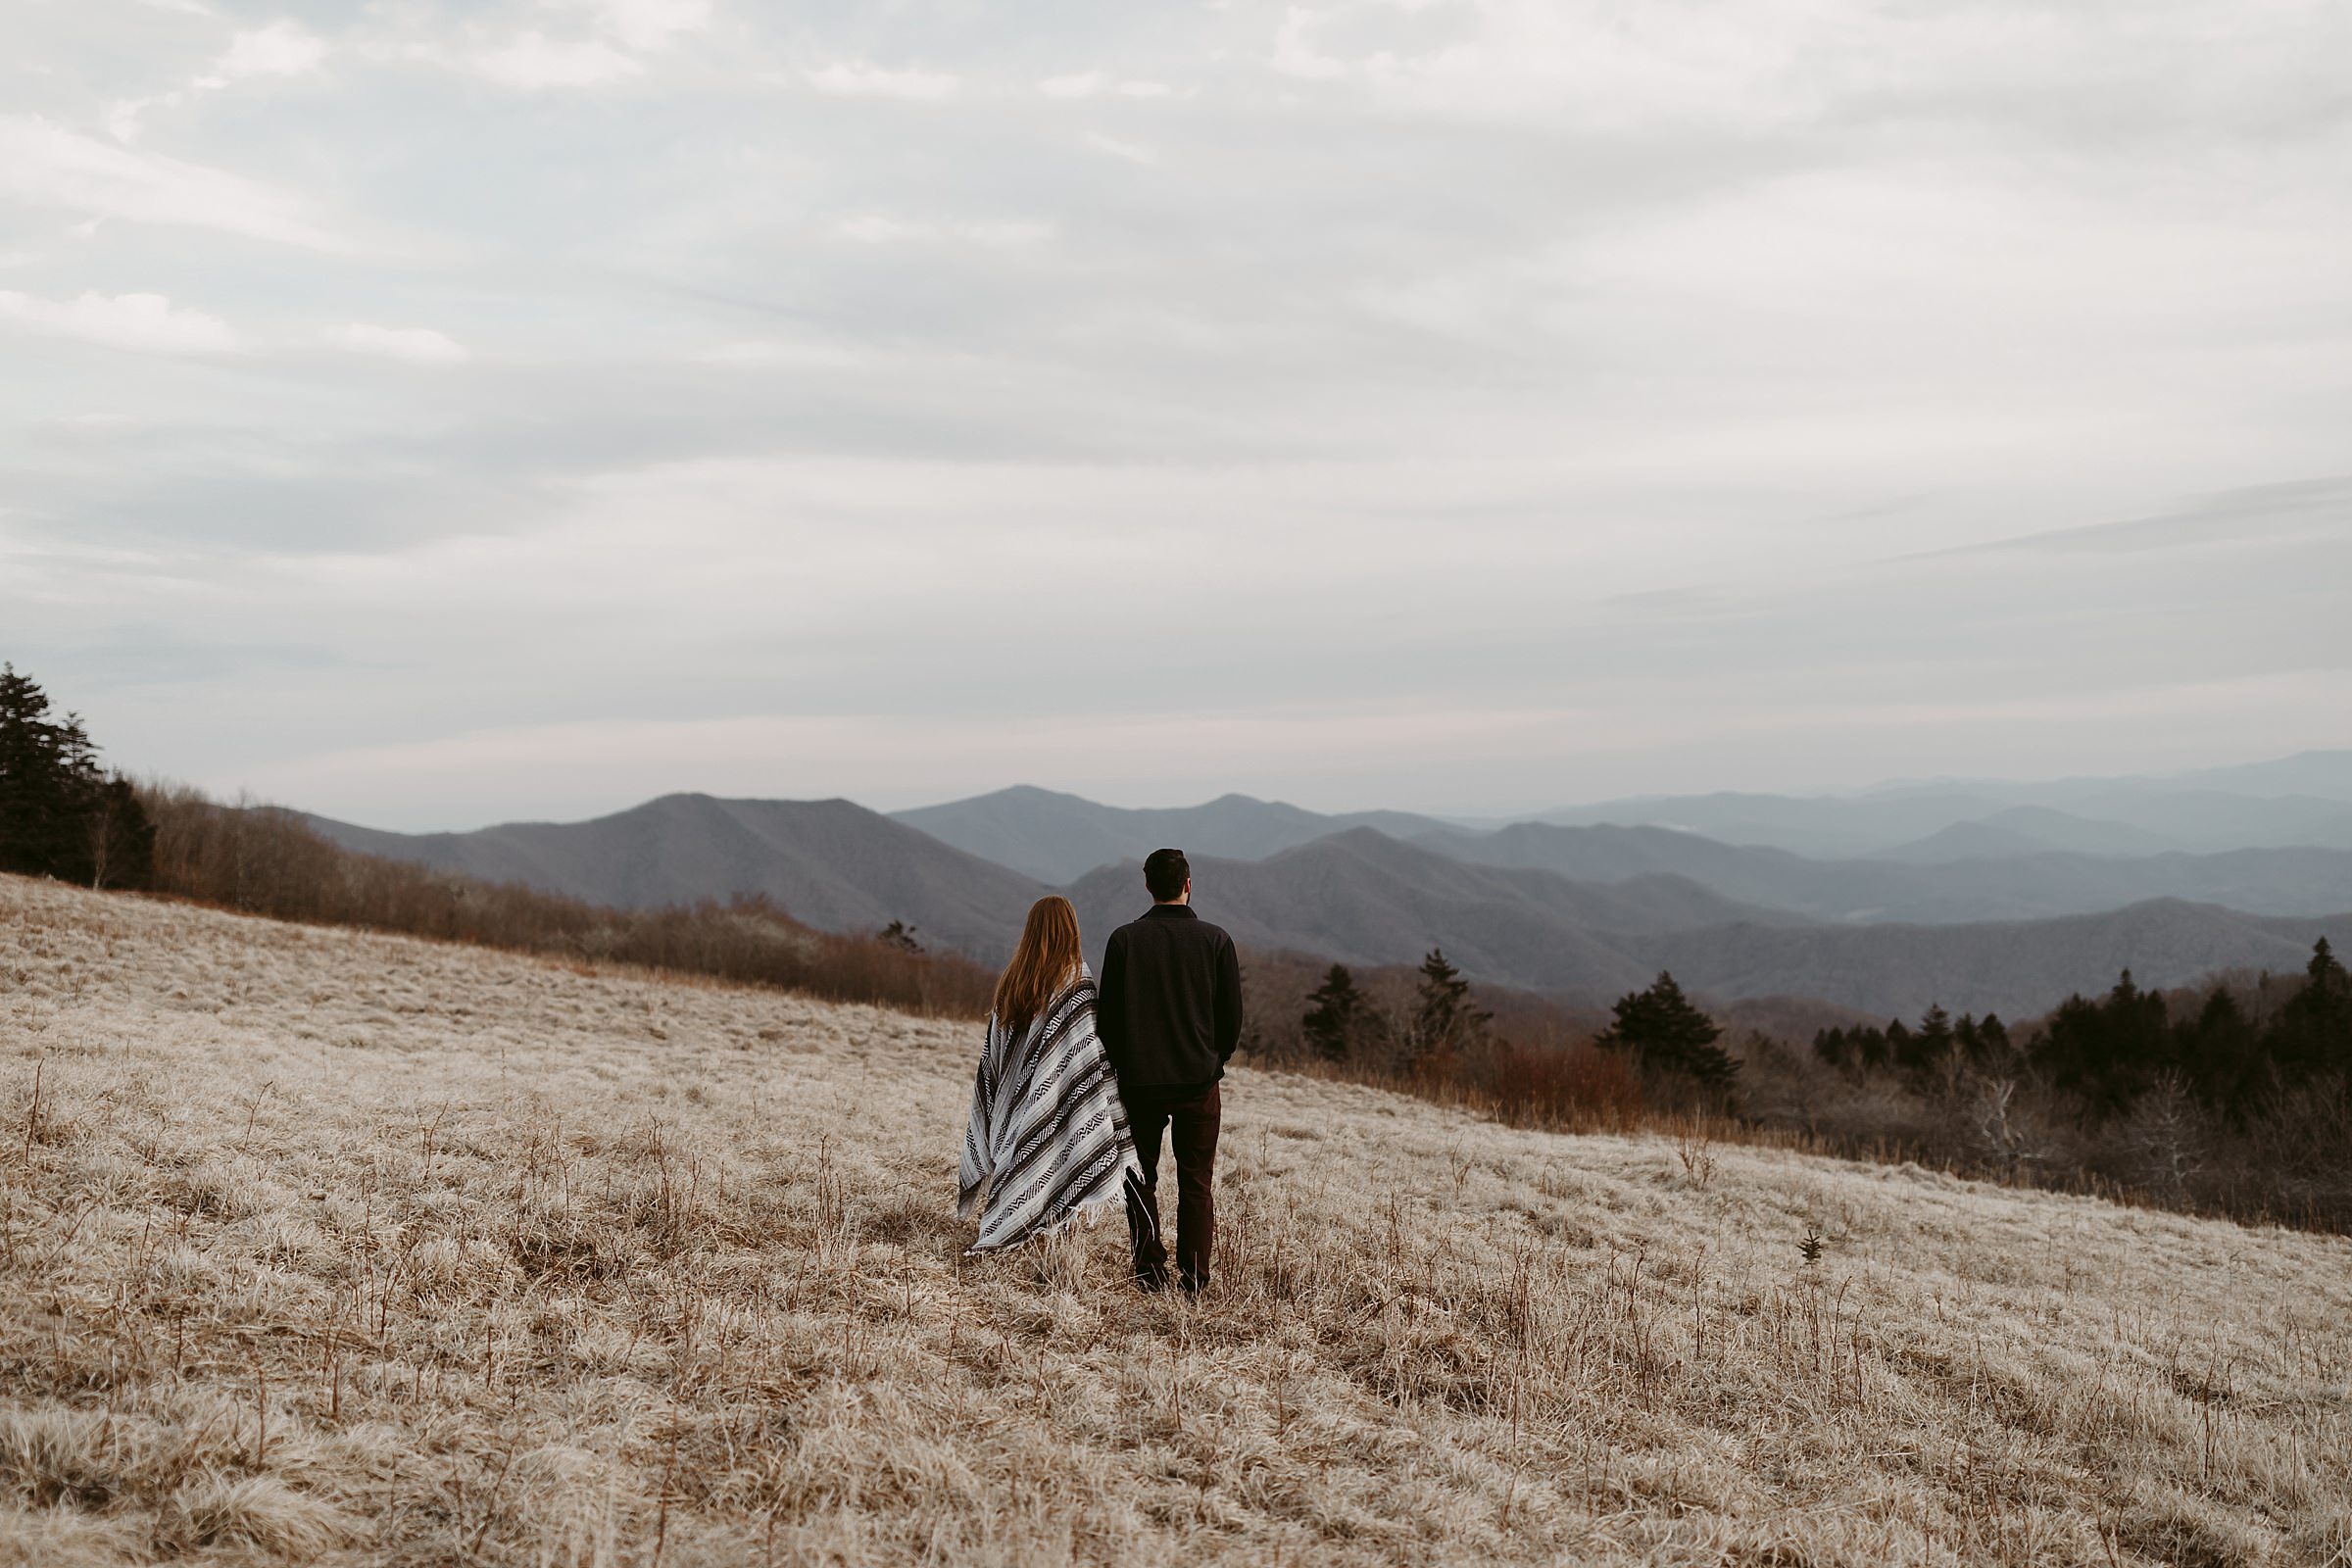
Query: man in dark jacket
x=1169, y=1013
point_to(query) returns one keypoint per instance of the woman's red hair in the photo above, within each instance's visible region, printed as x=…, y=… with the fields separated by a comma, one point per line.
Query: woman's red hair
x=1046, y=960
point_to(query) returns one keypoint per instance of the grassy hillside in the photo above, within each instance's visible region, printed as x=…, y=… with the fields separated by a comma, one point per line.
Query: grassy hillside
x=318, y=1245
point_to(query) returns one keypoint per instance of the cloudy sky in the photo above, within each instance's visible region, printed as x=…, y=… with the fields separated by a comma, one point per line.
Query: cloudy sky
x=438, y=413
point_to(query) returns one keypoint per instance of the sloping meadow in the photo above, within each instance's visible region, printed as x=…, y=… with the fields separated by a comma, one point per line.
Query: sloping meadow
x=317, y=1245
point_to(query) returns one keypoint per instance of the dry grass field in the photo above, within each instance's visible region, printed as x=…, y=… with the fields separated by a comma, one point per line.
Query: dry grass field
x=317, y=1245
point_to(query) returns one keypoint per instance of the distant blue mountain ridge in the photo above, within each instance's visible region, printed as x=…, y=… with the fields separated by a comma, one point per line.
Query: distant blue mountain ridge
x=1959, y=895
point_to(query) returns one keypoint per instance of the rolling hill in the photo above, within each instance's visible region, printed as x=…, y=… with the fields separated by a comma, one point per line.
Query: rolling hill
x=2016, y=886
x=330, y=1246
x=2027, y=830
x=2015, y=968
x=832, y=863
x=1968, y=858
x=2302, y=800
x=2215, y=819
x=2323, y=774
x=1361, y=897
x=1827, y=827
x=1613, y=852
x=1059, y=838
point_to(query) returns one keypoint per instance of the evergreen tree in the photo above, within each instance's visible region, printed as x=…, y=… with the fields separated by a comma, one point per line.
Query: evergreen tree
x=1336, y=1022
x=122, y=841
x=1443, y=1015
x=2313, y=1032
x=2108, y=1052
x=1929, y=1045
x=1666, y=1033
x=2141, y=1037
x=2072, y=1050
x=1967, y=1039
x=35, y=799
x=2222, y=1052
x=60, y=815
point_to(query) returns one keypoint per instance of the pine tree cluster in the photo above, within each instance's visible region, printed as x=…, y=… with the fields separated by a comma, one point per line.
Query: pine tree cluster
x=1343, y=1024
x=1667, y=1036
x=61, y=815
x=1979, y=1042
x=2106, y=1052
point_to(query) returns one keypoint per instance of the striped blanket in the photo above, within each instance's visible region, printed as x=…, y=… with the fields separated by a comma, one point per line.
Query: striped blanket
x=1047, y=1139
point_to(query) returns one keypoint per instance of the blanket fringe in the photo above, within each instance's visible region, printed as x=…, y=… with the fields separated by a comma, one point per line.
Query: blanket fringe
x=1090, y=1210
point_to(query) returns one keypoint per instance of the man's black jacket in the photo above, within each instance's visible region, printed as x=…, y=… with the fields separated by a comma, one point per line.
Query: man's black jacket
x=1169, y=1010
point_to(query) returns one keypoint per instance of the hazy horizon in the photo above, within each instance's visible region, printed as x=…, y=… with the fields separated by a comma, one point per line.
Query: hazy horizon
x=1339, y=809
x=433, y=416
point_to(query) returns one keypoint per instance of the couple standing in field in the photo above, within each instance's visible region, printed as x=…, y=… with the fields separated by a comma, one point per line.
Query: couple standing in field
x=1081, y=1080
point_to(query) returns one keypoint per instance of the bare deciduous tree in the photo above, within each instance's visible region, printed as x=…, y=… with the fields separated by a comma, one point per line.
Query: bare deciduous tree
x=2168, y=1132
x=2012, y=1138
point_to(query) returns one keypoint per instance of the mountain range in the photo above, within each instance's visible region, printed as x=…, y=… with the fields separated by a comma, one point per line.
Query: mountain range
x=1059, y=838
x=2299, y=801
x=1360, y=897
x=1971, y=910
x=832, y=863
x=1992, y=887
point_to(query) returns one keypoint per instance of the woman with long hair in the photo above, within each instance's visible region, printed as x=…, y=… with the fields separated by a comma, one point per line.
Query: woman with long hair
x=1047, y=1139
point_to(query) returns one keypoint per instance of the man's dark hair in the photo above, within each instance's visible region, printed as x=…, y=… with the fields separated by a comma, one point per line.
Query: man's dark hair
x=1165, y=872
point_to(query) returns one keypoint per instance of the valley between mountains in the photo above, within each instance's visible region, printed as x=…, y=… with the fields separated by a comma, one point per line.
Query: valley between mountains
x=2004, y=909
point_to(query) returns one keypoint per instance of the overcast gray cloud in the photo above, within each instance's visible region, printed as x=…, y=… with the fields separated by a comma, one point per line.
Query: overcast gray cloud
x=435, y=414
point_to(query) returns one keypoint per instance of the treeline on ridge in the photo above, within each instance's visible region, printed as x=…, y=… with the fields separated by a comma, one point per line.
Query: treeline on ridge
x=2227, y=1052
x=2234, y=1096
